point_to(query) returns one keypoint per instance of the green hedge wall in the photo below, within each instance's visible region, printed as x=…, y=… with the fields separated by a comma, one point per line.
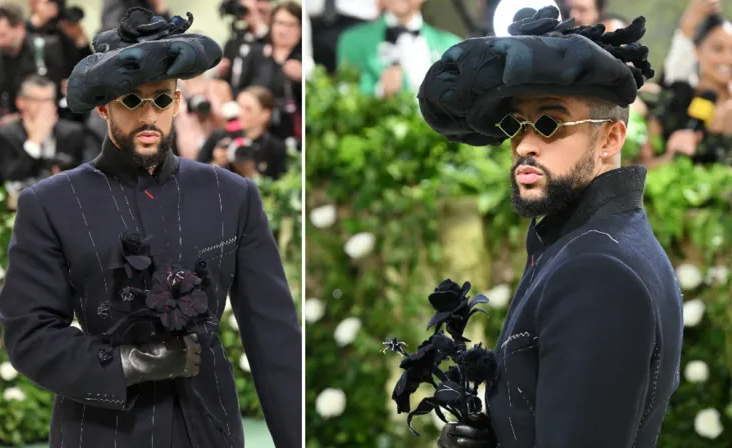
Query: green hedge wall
x=25, y=409
x=393, y=208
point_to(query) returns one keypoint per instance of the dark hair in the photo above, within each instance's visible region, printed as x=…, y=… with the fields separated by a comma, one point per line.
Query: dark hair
x=291, y=7
x=601, y=5
x=710, y=24
x=13, y=13
x=605, y=110
x=35, y=81
x=264, y=96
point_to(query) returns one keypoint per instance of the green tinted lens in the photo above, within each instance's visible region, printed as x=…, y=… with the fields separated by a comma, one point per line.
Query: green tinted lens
x=131, y=101
x=546, y=126
x=510, y=126
x=163, y=101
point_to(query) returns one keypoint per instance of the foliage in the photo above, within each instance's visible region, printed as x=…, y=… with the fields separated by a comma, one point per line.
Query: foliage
x=28, y=421
x=442, y=210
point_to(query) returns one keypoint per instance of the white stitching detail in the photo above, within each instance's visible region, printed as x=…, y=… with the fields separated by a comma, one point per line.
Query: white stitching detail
x=513, y=337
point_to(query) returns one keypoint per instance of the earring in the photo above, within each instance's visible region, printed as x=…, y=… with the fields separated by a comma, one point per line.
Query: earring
x=604, y=154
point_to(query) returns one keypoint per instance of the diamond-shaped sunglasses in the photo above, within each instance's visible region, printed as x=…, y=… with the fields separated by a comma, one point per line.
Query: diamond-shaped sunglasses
x=545, y=125
x=133, y=101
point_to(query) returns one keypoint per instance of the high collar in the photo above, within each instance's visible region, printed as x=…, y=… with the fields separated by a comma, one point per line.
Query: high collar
x=113, y=162
x=610, y=193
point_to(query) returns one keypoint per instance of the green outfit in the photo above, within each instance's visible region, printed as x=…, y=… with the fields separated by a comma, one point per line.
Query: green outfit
x=358, y=47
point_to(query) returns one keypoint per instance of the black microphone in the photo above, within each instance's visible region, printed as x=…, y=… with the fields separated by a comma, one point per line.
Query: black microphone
x=701, y=111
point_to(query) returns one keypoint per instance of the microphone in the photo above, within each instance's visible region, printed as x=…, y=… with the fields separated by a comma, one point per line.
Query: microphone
x=701, y=111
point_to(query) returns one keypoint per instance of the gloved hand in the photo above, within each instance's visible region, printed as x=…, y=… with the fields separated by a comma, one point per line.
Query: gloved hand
x=159, y=361
x=475, y=433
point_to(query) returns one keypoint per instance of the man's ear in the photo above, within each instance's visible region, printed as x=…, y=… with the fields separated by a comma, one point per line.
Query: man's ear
x=103, y=112
x=176, y=106
x=614, y=139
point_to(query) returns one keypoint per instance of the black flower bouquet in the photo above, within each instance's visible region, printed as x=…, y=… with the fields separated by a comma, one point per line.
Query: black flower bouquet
x=456, y=389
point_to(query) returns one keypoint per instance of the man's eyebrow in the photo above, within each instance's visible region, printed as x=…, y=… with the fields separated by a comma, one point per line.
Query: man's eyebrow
x=156, y=92
x=542, y=109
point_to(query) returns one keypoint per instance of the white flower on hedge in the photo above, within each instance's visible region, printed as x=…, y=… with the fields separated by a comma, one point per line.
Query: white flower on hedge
x=233, y=323
x=693, y=312
x=7, y=371
x=696, y=372
x=689, y=276
x=330, y=403
x=360, y=245
x=13, y=393
x=499, y=296
x=296, y=202
x=347, y=330
x=313, y=310
x=718, y=275
x=2, y=272
x=708, y=423
x=324, y=216
x=227, y=307
x=244, y=363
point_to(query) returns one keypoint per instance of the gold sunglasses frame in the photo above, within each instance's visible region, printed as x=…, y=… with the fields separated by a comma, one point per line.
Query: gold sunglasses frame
x=151, y=100
x=522, y=124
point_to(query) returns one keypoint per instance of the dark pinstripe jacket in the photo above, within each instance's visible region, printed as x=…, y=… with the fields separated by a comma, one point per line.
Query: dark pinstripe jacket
x=66, y=227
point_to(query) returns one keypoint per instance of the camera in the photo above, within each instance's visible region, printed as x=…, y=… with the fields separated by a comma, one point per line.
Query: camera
x=233, y=8
x=73, y=14
x=199, y=104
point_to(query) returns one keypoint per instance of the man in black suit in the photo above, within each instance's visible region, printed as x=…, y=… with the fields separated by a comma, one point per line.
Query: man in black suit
x=40, y=143
x=143, y=248
x=589, y=353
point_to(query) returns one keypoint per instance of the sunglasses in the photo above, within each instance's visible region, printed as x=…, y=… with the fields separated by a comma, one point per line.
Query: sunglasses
x=132, y=101
x=545, y=125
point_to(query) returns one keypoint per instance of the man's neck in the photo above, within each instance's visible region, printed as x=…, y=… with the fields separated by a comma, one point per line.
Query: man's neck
x=406, y=19
x=255, y=133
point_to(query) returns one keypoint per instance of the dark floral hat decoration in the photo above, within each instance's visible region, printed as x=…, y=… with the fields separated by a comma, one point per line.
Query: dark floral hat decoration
x=456, y=389
x=469, y=90
x=144, y=48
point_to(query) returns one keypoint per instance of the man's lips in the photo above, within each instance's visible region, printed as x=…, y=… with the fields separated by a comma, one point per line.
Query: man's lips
x=148, y=137
x=527, y=175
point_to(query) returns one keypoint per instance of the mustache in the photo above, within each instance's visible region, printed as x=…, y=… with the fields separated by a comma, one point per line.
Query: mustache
x=529, y=162
x=147, y=128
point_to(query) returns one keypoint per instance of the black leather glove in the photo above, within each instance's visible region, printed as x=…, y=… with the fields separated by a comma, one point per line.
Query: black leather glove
x=475, y=433
x=159, y=361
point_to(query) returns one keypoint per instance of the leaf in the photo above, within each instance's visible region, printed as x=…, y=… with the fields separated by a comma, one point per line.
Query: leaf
x=438, y=317
x=448, y=392
x=424, y=407
x=478, y=310
x=480, y=298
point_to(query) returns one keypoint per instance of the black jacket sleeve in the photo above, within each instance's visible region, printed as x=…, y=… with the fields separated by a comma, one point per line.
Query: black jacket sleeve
x=597, y=331
x=36, y=311
x=270, y=331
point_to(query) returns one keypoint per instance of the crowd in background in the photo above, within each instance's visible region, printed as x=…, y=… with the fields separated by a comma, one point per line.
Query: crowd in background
x=244, y=115
x=687, y=105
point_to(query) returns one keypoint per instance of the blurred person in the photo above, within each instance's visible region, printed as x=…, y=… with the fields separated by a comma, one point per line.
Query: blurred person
x=276, y=65
x=670, y=119
x=256, y=16
x=681, y=64
x=394, y=52
x=578, y=365
x=200, y=112
x=330, y=18
x=40, y=143
x=585, y=12
x=89, y=242
x=22, y=54
x=259, y=152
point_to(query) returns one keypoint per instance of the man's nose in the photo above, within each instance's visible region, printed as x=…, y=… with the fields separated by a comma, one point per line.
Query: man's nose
x=529, y=144
x=148, y=112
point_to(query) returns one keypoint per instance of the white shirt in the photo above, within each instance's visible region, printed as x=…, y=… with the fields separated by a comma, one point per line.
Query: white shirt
x=411, y=51
x=680, y=63
x=360, y=9
x=47, y=150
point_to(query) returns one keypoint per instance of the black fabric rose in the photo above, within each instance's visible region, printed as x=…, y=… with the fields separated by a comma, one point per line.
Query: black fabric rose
x=140, y=25
x=452, y=308
x=418, y=368
x=544, y=23
x=478, y=364
x=176, y=296
x=135, y=251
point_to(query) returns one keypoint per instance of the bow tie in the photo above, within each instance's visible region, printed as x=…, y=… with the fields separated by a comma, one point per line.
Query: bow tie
x=393, y=33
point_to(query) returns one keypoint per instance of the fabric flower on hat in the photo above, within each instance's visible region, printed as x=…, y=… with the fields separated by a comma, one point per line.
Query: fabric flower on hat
x=177, y=297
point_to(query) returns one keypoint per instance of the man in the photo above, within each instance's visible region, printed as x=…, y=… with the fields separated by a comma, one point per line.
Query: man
x=585, y=12
x=23, y=53
x=393, y=53
x=40, y=143
x=87, y=243
x=589, y=353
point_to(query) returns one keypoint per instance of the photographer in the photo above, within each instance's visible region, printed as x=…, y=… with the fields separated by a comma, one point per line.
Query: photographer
x=276, y=65
x=246, y=147
x=40, y=143
x=255, y=15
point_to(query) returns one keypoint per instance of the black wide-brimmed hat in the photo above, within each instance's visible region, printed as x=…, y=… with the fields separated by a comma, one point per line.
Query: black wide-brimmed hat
x=144, y=48
x=469, y=90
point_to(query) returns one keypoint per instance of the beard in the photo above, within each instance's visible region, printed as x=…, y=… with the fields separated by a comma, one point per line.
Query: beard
x=559, y=191
x=126, y=143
